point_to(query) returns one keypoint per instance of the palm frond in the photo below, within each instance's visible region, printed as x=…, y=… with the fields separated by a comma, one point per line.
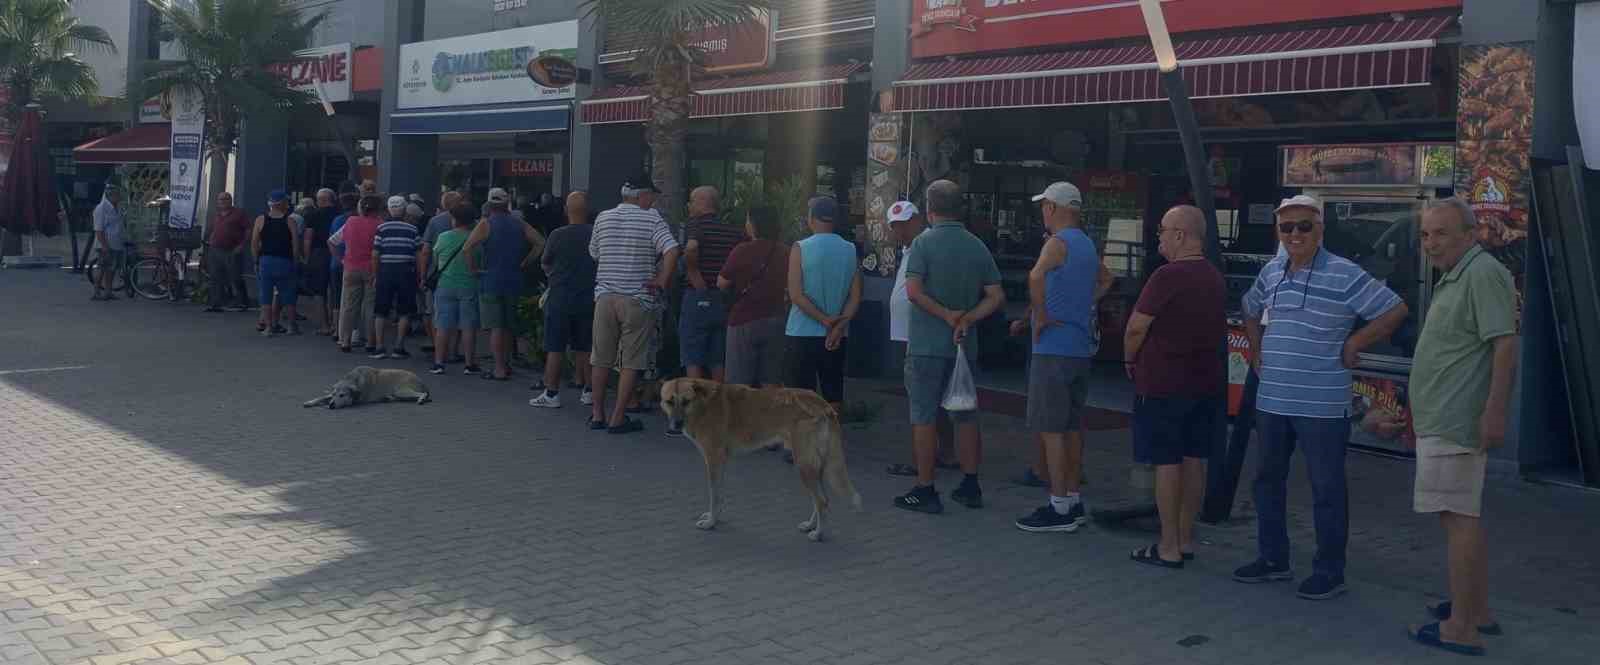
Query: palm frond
x=91, y=38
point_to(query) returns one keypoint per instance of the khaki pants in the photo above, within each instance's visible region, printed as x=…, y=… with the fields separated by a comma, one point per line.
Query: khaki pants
x=360, y=294
x=222, y=266
x=624, y=333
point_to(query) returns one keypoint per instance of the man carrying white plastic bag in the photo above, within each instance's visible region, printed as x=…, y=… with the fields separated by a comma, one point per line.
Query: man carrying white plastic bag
x=954, y=283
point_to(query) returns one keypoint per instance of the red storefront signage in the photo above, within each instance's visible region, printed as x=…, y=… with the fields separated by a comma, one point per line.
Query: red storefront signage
x=1239, y=358
x=527, y=167
x=953, y=27
x=741, y=47
x=328, y=64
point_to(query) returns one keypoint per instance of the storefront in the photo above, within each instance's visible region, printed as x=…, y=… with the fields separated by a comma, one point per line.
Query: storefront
x=327, y=150
x=498, y=106
x=1318, y=77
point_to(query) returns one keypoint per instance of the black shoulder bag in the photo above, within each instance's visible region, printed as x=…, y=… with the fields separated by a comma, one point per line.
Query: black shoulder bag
x=432, y=282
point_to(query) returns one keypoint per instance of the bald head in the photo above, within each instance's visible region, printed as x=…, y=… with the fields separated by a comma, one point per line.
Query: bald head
x=578, y=207
x=704, y=200
x=1182, y=233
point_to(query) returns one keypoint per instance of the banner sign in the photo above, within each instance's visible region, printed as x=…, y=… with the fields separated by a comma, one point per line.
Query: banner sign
x=491, y=68
x=329, y=64
x=954, y=27
x=188, y=147
x=885, y=181
x=1494, y=148
x=542, y=166
x=745, y=46
x=151, y=111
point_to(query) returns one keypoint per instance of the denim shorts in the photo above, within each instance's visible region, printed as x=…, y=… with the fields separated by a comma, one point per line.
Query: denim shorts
x=455, y=309
x=703, y=328
x=276, y=273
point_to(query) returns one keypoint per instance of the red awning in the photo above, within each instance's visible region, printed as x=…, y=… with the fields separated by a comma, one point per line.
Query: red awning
x=770, y=92
x=1379, y=54
x=139, y=144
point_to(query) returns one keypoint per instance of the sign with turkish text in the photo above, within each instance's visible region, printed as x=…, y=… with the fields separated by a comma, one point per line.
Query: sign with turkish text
x=188, y=148
x=1356, y=165
x=490, y=68
x=508, y=5
x=745, y=46
x=328, y=64
x=1494, y=148
x=539, y=166
x=954, y=27
x=152, y=110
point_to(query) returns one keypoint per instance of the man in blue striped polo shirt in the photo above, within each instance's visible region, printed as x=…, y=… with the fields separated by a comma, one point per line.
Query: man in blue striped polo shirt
x=1308, y=344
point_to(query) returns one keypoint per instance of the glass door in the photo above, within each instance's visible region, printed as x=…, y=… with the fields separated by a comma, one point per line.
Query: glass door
x=1380, y=235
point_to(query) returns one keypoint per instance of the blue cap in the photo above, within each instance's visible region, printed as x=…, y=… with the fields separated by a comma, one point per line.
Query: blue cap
x=277, y=196
x=823, y=209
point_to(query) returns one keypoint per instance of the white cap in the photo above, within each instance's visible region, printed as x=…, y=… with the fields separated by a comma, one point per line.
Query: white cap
x=902, y=211
x=498, y=195
x=397, y=203
x=1061, y=193
x=1300, y=201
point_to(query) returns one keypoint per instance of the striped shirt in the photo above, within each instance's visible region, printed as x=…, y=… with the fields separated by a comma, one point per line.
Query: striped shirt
x=1311, y=313
x=717, y=241
x=396, y=243
x=625, y=243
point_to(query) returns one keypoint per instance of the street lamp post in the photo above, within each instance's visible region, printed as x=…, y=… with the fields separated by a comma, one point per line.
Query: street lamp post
x=1221, y=478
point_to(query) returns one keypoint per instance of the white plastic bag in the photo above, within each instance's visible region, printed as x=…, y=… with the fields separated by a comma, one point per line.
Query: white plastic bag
x=962, y=394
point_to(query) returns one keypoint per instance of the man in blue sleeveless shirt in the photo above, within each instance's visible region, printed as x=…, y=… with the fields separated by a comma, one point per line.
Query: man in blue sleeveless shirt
x=1061, y=290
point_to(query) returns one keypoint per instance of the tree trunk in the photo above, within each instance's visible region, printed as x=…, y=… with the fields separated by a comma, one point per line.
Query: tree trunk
x=670, y=104
x=216, y=180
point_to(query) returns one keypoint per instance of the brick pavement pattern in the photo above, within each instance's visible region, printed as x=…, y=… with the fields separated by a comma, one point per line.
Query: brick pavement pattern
x=165, y=499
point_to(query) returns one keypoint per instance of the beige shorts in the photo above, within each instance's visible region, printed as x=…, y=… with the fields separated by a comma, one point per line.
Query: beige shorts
x=1449, y=480
x=624, y=333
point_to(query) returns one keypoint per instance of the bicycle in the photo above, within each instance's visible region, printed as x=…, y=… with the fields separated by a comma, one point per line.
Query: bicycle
x=121, y=280
x=153, y=275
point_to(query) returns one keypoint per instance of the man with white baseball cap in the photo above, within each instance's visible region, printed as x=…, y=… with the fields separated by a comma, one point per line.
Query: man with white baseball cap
x=905, y=224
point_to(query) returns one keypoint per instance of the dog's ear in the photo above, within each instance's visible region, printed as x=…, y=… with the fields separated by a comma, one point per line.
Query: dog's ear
x=700, y=388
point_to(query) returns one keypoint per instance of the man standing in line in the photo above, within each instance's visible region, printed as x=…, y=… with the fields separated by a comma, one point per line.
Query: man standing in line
x=1061, y=290
x=224, y=238
x=569, y=303
x=108, y=232
x=1312, y=300
x=509, y=245
x=954, y=283
x=274, y=243
x=1171, y=348
x=359, y=288
x=455, y=300
x=438, y=224
x=398, y=247
x=906, y=223
x=348, y=204
x=628, y=289
x=1461, y=382
x=319, y=225
x=702, y=324
x=825, y=292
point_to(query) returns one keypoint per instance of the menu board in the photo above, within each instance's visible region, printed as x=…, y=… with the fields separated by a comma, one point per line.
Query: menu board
x=885, y=176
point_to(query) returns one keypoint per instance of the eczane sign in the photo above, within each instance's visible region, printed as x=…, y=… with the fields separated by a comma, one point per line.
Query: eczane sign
x=329, y=64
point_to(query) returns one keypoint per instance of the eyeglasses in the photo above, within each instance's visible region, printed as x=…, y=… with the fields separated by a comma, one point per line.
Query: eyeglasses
x=1303, y=226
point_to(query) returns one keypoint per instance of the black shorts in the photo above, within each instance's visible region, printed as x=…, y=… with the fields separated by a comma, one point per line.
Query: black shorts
x=397, y=291
x=315, y=275
x=1168, y=429
x=813, y=367
x=569, y=323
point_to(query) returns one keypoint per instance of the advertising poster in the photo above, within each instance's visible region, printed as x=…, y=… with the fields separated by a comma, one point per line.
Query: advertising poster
x=1389, y=398
x=188, y=146
x=1494, y=130
x=491, y=68
x=1239, y=354
x=886, y=177
x=1349, y=165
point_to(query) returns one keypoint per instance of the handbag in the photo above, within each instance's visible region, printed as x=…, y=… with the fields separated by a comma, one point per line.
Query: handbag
x=432, y=282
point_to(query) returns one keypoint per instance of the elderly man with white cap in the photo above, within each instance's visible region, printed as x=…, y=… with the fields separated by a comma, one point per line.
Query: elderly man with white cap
x=905, y=224
x=1312, y=300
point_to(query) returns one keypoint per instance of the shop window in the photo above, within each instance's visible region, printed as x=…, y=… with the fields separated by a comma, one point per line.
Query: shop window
x=1124, y=248
x=1227, y=226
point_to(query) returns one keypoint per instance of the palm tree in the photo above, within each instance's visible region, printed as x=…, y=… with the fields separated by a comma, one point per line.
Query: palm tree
x=669, y=58
x=227, y=47
x=39, y=45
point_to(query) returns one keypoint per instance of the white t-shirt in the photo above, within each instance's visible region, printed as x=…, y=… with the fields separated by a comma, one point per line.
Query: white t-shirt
x=900, y=302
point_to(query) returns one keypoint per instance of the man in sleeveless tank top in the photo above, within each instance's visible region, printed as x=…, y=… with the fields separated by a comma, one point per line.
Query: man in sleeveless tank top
x=274, y=243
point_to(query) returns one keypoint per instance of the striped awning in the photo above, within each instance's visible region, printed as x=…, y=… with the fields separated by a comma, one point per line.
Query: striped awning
x=770, y=92
x=1378, y=54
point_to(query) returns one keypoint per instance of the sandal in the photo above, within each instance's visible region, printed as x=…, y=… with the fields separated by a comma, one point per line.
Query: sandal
x=906, y=470
x=627, y=426
x=597, y=425
x=1441, y=611
x=489, y=376
x=1152, y=556
x=1429, y=635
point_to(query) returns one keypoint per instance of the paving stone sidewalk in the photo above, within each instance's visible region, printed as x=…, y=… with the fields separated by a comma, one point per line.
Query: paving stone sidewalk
x=164, y=499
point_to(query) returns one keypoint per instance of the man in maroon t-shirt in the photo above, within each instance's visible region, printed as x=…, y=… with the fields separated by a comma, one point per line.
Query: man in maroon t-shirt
x=1172, y=349
x=224, y=239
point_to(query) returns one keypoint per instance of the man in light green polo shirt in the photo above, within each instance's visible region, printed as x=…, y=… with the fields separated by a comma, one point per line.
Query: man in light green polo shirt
x=1460, y=390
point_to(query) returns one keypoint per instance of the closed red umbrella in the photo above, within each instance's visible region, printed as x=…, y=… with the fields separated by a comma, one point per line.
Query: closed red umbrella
x=28, y=193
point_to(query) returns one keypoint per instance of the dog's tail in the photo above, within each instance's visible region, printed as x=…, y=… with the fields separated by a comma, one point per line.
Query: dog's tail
x=834, y=470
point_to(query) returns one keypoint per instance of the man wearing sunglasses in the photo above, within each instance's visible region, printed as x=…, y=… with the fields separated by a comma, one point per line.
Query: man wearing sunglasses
x=1307, y=346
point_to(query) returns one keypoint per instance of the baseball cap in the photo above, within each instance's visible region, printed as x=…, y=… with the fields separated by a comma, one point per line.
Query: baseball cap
x=1061, y=193
x=278, y=196
x=498, y=195
x=1300, y=201
x=823, y=209
x=416, y=198
x=397, y=203
x=902, y=211
x=642, y=183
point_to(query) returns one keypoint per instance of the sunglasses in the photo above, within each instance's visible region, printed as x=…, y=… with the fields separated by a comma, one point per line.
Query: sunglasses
x=1303, y=226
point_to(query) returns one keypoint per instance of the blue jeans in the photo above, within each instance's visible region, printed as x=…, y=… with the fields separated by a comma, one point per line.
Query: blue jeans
x=1323, y=441
x=703, y=328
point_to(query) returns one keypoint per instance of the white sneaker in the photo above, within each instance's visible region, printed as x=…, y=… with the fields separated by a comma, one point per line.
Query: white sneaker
x=587, y=398
x=546, y=401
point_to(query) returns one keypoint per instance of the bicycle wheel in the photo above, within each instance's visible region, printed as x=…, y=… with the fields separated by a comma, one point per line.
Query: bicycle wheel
x=151, y=276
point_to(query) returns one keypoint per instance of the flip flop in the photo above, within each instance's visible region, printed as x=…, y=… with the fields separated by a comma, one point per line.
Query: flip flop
x=627, y=426
x=1441, y=611
x=1428, y=635
x=901, y=470
x=597, y=425
x=489, y=376
x=1152, y=556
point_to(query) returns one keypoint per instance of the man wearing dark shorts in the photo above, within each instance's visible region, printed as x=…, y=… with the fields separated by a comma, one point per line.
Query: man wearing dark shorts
x=1172, y=350
x=703, y=323
x=398, y=247
x=953, y=282
x=319, y=259
x=569, y=303
x=1061, y=289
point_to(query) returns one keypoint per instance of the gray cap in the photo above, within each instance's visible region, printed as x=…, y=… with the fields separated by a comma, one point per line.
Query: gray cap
x=498, y=195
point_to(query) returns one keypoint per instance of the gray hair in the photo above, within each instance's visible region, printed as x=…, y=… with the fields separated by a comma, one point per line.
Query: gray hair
x=1469, y=220
x=944, y=199
x=332, y=195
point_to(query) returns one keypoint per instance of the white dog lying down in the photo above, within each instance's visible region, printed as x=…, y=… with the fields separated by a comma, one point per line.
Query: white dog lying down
x=369, y=384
